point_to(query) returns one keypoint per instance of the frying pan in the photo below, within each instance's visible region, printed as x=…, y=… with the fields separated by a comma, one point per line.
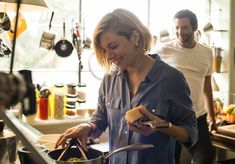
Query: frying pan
x=63, y=47
x=94, y=156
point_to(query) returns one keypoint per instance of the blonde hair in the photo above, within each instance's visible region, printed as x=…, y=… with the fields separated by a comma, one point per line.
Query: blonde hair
x=121, y=22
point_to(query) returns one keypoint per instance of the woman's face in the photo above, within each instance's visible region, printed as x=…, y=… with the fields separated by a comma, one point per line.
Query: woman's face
x=118, y=49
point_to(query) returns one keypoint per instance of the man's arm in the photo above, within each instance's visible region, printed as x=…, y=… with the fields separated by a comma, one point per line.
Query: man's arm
x=208, y=97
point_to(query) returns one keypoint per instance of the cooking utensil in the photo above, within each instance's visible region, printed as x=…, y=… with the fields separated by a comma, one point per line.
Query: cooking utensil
x=78, y=144
x=5, y=23
x=94, y=156
x=73, y=141
x=48, y=39
x=63, y=47
x=157, y=125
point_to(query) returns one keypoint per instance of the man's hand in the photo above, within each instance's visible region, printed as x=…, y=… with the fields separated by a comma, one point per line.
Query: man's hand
x=212, y=126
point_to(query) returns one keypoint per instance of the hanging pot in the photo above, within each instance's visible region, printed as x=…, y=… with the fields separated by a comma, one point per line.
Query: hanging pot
x=48, y=39
x=5, y=23
x=63, y=47
x=94, y=156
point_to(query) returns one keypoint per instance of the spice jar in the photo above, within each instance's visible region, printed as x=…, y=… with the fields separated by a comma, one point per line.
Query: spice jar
x=59, y=101
x=71, y=88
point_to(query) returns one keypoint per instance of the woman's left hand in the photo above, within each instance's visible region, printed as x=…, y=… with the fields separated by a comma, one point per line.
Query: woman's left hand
x=141, y=128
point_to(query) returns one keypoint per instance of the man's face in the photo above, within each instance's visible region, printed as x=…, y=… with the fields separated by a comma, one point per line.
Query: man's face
x=184, y=30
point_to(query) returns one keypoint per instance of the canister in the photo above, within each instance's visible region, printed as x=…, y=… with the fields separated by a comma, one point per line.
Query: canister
x=59, y=101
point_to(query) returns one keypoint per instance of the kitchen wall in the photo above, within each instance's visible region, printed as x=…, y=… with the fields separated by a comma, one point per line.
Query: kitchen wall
x=222, y=36
x=41, y=61
x=232, y=50
x=219, y=17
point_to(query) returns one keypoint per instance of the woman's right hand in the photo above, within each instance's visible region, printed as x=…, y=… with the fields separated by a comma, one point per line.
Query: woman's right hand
x=81, y=131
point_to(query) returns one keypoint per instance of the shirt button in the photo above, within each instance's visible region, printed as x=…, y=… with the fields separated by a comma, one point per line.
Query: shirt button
x=153, y=110
x=126, y=132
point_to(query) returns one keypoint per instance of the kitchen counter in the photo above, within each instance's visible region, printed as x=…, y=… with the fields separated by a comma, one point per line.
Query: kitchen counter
x=56, y=125
x=223, y=142
x=49, y=125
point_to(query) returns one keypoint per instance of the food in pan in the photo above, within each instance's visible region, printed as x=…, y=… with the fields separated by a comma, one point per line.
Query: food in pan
x=74, y=159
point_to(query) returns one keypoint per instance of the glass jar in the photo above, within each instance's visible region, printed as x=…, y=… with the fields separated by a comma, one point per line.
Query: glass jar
x=59, y=101
x=71, y=88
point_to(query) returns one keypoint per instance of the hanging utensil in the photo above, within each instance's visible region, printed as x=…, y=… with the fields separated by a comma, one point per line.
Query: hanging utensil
x=48, y=39
x=5, y=23
x=63, y=47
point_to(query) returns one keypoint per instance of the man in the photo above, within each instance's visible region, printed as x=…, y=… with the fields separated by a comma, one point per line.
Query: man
x=195, y=61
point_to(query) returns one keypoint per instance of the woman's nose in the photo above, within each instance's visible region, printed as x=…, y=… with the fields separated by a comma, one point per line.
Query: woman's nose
x=109, y=55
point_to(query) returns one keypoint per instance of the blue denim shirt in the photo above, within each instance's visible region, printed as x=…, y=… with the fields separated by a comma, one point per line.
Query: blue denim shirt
x=165, y=93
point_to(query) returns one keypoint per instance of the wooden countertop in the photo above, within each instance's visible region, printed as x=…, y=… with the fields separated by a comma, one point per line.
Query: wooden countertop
x=50, y=126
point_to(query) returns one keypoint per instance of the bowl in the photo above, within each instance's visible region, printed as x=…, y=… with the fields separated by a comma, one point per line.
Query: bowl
x=48, y=138
x=25, y=155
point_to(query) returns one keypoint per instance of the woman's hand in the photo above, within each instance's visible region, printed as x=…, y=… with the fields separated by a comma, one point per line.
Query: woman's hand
x=81, y=131
x=141, y=128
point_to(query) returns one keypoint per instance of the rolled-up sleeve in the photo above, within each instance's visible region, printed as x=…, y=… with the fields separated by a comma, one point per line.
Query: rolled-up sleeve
x=100, y=116
x=181, y=108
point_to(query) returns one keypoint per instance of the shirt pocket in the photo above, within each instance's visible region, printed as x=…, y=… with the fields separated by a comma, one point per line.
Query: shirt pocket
x=161, y=110
x=113, y=106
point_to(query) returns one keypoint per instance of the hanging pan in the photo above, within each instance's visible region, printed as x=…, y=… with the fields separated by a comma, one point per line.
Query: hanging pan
x=63, y=47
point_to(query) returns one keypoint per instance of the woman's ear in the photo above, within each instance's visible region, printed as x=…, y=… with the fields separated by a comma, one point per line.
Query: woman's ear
x=136, y=38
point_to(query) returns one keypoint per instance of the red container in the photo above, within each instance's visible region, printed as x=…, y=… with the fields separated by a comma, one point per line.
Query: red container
x=43, y=108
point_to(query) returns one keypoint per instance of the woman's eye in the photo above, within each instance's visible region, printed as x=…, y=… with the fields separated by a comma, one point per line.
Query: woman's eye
x=102, y=50
x=113, y=46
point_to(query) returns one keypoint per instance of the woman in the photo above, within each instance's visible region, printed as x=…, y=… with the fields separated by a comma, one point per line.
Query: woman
x=121, y=42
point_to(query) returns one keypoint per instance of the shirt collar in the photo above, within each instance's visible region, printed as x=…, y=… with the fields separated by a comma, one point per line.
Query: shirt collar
x=153, y=74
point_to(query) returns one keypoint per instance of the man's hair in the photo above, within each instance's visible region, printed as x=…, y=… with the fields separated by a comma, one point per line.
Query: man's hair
x=187, y=14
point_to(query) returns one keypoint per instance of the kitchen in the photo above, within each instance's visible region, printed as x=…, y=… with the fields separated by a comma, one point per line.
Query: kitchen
x=46, y=63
